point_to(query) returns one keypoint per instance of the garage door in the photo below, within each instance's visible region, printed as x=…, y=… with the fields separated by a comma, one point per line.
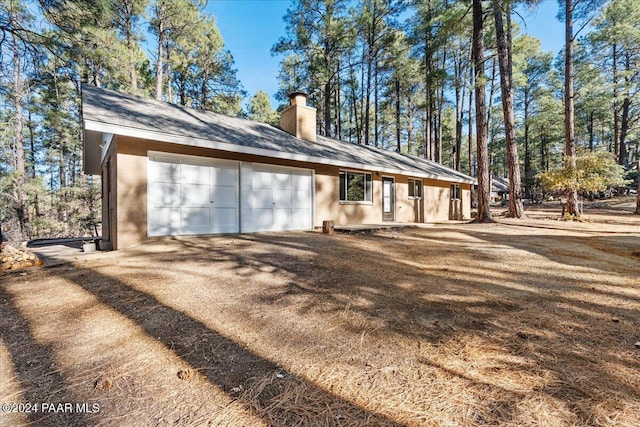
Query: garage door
x=276, y=198
x=191, y=195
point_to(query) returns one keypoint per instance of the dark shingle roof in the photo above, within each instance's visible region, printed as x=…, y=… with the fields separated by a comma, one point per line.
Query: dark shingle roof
x=114, y=112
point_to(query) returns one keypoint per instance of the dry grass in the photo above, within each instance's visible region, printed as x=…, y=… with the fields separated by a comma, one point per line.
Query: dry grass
x=520, y=323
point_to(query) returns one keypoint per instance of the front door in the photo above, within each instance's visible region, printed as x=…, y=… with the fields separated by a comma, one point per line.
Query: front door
x=388, y=199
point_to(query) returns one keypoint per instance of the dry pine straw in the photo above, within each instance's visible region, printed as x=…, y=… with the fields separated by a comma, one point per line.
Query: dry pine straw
x=466, y=325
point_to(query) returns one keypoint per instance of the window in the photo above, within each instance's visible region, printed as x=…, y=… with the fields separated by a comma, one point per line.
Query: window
x=415, y=189
x=455, y=192
x=355, y=187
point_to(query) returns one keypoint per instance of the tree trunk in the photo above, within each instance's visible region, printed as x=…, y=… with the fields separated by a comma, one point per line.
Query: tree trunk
x=397, y=95
x=133, y=77
x=19, y=190
x=624, y=118
x=159, y=54
x=527, y=149
x=516, y=209
x=572, y=207
x=470, y=128
x=484, y=184
x=327, y=109
x=638, y=193
x=428, y=91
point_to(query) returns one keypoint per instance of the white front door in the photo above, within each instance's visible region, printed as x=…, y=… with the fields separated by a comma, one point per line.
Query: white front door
x=191, y=195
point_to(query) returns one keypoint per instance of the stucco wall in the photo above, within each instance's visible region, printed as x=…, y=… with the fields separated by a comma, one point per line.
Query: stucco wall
x=132, y=191
x=132, y=198
x=437, y=195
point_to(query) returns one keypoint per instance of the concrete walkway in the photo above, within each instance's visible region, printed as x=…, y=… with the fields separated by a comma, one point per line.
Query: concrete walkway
x=60, y=251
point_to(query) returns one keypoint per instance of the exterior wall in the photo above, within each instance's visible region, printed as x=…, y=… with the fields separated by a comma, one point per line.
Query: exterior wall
x=466, y=201
x=131, y=191
x=132, y=197
x=109, y=195
x=437, y=195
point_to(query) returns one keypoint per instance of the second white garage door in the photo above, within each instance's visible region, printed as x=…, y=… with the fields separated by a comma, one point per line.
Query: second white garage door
x=276, y=198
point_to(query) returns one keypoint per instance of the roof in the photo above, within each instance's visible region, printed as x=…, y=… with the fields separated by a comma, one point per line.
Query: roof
x=500, y=184
x=107, y=113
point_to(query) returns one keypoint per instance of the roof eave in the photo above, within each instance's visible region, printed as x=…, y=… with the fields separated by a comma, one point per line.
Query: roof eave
x=96, y=126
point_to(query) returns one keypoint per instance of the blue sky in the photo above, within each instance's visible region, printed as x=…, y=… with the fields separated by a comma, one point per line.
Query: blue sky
x=251, y=27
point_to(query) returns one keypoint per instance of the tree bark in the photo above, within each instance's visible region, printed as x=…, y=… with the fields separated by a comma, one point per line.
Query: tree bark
x=484, y=184
x=624, y=118
x=516, y=209
x=397, y=96
x=638, y=193
x=19, y=190
x=572, y=207
x=159, y=53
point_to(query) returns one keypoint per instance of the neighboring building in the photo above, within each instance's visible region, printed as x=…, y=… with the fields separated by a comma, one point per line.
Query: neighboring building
x=170, y=170
x=499, y=189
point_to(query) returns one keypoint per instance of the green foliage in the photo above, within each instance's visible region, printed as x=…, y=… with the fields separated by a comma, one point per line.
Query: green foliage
x=594, y=171
x=260, y=109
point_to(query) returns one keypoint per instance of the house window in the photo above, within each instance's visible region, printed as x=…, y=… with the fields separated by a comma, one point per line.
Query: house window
x=355, y=187
x=415, y=189
x=455, y=192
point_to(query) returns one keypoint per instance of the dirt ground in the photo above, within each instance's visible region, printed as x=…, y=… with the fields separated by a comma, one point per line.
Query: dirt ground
x=520, y=323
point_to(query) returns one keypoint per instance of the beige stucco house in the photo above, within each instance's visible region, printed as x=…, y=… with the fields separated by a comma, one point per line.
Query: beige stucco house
x=170, y=170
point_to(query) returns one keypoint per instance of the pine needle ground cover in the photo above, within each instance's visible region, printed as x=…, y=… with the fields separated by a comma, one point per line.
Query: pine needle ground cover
x=519, y=323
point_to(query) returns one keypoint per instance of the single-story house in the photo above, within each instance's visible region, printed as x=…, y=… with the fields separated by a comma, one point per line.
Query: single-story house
x=499, y=189
x=171, y=170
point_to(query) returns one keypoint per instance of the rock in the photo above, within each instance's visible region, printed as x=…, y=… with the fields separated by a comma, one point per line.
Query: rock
x=103, y=383
x=185, y=374
x=637, y=344
x=38, y=262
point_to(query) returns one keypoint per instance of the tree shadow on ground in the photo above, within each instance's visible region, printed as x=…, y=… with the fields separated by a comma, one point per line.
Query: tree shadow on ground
x=40, y=379
x=227, y=365
x=505, y=306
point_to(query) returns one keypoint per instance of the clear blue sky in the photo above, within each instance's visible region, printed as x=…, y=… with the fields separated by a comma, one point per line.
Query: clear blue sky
x=251, y=27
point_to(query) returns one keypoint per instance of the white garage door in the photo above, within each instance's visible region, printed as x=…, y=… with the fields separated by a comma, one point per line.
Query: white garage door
x=191, y=195
x=276, y=198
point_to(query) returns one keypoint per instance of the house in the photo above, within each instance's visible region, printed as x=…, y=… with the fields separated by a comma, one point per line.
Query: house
x=170, y=170
x=499, y=189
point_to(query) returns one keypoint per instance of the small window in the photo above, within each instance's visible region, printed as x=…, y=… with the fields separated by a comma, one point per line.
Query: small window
x=415, y=189
x=455, y=192
x=355, y=187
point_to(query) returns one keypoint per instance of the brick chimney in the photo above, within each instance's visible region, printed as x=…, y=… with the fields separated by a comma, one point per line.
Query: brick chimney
x=298, y=119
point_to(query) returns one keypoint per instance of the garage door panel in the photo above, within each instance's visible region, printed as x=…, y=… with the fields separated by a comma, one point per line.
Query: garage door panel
x=281, y=198
x=262, y=198
x=223, y=175
x=162, y=171
x=164, y=194
x=164, y=221
x=300, y=199
x=262, y=179
x=224, y=196
x=190, y=173
x=282, y=180
x=195, y=220
x=300, y=219
x=263, y=219
x=196, y=194
x=282, y=219
x=225, y=220
x=301, y=182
